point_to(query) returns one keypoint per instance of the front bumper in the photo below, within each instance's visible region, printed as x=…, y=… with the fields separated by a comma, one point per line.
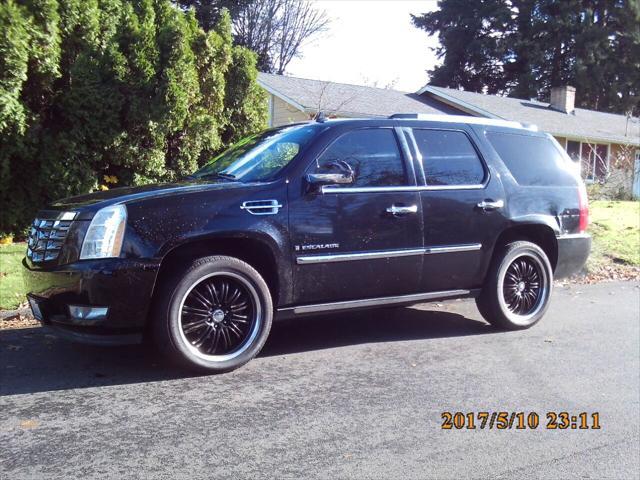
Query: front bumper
x=109, y=298
x=573, y=251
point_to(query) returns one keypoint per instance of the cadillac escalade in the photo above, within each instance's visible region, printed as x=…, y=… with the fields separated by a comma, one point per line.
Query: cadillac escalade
x=314, y=218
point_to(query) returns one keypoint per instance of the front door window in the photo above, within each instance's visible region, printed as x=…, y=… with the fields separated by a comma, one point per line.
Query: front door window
x=371, y=153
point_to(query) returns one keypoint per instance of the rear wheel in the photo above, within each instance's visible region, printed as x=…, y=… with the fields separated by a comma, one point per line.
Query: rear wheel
x=518, y=287
x=215, y=316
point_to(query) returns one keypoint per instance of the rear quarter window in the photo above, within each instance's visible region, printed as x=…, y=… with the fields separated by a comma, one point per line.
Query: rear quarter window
x=533, y=161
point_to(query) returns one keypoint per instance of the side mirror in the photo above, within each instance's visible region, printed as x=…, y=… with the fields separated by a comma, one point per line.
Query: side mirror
x=344, y=176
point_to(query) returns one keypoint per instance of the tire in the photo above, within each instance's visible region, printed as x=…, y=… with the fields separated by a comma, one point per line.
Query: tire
x=509, y=298
x=213, y=316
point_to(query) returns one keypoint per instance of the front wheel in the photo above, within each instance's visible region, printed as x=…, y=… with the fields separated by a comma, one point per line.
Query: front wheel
x=215, y=316
x=518, y=287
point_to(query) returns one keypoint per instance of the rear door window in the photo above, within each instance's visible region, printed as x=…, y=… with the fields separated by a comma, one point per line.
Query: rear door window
x=449, y=158
x=532, y=160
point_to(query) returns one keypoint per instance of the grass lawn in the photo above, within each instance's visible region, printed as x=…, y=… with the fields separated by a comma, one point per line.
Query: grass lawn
x=615, y=227
x=12, y=291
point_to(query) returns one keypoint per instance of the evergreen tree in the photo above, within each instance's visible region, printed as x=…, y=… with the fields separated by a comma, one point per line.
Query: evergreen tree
x=132, y=90
x=208, y=12
x=471, y=43
x=525, y=47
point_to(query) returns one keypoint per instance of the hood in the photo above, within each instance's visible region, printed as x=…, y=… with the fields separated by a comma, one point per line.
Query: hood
x=86, y=205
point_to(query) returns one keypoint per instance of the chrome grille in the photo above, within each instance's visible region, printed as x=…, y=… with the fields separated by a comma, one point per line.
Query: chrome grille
x=47, y=235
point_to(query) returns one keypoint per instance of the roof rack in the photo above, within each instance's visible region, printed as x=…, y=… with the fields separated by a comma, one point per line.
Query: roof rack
x=464, y=119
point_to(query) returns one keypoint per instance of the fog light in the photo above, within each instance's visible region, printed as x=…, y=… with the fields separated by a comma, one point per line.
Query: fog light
x=82, y=312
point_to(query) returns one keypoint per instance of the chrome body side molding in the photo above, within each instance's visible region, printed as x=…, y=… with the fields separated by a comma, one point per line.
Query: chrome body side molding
x=374, y=302
x=425, y=188
x=566, y=236
x=348, y=257
x=471, y=247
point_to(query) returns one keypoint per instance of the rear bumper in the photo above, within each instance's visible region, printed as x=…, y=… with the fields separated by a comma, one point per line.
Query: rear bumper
x=573, y=251
x=99, y=302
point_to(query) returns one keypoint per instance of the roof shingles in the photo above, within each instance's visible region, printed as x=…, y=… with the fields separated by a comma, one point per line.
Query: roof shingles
x=345, y=100
x=581, y=124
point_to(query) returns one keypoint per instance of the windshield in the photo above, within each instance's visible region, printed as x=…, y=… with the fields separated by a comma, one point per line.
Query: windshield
x=260, y=156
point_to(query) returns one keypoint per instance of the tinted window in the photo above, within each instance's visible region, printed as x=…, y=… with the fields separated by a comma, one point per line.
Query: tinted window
x=448, y=158
x=533, y=161
x=372, y=154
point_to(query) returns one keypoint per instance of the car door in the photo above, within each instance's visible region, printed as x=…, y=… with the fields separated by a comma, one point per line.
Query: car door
x=462, y=206
x=360, y=240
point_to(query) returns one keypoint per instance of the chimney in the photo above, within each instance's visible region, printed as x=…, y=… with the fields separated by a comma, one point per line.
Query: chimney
x=563, y=98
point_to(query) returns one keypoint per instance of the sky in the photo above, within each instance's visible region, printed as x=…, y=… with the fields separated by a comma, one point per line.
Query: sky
x=370, y=42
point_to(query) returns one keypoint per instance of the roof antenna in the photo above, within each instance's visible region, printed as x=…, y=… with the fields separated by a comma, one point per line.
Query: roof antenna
x=320, y=117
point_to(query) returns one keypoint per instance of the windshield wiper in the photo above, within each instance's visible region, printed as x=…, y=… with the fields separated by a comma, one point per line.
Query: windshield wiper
x=226, y=176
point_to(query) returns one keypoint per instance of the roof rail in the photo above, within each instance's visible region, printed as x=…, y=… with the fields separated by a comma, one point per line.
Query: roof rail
x=464, y=119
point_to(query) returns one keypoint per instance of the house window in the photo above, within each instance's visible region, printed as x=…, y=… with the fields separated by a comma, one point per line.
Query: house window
x=595, y=161
x=593, y=158
x=573, y=149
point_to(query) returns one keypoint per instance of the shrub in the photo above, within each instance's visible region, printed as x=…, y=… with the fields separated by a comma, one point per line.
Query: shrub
x=132, y=90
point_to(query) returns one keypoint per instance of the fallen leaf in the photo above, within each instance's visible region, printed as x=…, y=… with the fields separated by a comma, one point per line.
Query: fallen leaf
x=27, y=424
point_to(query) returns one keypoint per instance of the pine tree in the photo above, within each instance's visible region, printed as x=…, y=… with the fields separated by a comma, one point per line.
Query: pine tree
x=525, y=47
x=472, y=43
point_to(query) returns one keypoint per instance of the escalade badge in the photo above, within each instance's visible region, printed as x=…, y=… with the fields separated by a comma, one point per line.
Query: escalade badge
x=316, y=246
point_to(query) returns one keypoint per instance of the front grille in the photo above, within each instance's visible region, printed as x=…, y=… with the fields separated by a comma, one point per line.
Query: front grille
x=47, y=235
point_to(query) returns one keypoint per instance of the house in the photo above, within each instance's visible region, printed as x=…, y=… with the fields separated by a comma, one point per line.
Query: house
x=606, y=145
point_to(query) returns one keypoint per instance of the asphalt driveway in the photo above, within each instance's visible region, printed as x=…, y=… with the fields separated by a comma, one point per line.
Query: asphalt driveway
x=349, y=396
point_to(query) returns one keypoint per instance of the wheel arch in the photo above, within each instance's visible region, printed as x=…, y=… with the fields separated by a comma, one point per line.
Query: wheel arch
x=260, y=251
x=538, y=232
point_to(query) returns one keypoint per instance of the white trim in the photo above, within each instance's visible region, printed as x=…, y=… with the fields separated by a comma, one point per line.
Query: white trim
x=281, y=96
x=457, y=103
x=579, y=152
x=635, y=184
x=270, y=111
x=602, y=140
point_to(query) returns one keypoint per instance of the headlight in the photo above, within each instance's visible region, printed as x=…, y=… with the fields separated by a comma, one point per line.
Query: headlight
x=105, y=234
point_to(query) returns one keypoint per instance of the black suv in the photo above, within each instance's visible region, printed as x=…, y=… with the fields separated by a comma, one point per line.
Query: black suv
x=310, y=218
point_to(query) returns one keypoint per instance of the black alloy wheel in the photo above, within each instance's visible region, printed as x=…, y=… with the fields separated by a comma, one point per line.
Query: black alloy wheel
x=218, y=315
x=214, y=315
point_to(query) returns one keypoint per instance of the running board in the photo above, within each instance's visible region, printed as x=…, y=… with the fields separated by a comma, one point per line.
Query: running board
x=374, y=302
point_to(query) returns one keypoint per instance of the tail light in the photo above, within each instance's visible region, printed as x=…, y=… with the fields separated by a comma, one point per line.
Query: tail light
x=584, y=208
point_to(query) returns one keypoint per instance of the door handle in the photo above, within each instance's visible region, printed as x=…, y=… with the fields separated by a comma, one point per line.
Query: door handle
x=490, y=205
x=402, y=210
